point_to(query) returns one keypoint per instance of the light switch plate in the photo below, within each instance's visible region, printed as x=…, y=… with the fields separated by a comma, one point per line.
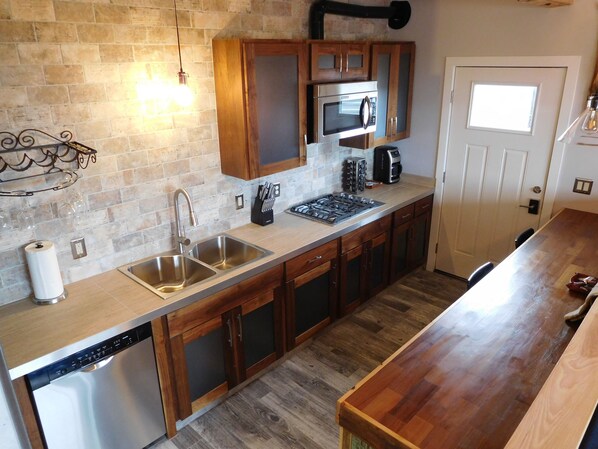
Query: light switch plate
x=583, y=186
x=78, y=248
x=239, y=201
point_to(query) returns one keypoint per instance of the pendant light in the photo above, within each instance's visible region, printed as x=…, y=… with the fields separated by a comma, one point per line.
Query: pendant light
x=586, y=124
x=182, y=94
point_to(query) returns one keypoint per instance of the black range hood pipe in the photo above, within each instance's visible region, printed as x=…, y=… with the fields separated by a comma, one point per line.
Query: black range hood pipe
x=398, y=14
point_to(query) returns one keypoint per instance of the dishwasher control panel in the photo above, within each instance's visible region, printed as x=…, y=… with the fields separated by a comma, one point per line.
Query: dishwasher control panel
x=88, y=356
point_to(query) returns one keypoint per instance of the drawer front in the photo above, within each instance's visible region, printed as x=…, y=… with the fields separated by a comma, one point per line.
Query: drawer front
x=403, y=215
x=311, y=259
x=365, y=233
x=424, y=205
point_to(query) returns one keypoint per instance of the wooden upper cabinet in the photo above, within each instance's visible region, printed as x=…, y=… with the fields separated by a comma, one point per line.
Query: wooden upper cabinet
x=335, y=61
x=393, y=67
x=261, y=105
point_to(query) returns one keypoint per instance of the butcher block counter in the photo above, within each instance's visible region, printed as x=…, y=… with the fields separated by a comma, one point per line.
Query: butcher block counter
x=498, y=365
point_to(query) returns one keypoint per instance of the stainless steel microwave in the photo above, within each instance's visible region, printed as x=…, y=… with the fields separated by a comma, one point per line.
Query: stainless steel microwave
x=341, y=110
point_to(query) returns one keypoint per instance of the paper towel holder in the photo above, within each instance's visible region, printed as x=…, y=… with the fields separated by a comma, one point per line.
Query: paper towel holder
x=45, y=273
x=48, y=301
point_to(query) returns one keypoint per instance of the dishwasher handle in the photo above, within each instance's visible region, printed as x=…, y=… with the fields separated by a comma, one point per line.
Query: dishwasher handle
x=98, y=365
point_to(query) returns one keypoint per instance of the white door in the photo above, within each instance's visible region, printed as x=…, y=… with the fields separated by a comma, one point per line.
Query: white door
x=501, y=133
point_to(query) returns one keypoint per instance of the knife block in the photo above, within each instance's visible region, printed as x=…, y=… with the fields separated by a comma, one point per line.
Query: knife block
x=261, y=212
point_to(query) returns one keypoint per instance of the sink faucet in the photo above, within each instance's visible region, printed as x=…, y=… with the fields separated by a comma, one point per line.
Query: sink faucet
x=181, y=240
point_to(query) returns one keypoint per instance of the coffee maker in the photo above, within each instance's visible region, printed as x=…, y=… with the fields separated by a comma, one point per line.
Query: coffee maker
x=387, y=164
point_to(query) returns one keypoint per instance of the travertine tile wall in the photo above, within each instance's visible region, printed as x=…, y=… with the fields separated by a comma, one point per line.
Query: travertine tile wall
x=86, y=66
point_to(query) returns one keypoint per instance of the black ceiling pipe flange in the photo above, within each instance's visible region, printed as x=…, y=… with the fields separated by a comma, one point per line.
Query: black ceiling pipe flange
x=398, y=14
x=401, y=16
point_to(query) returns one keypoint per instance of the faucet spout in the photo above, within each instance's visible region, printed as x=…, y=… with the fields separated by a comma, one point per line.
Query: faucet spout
x=181, y=240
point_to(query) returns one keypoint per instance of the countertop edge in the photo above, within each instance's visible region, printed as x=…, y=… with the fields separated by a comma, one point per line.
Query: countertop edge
x=199, y=292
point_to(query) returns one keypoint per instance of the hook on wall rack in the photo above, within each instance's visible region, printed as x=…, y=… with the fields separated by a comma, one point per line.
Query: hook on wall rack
x=24, y=151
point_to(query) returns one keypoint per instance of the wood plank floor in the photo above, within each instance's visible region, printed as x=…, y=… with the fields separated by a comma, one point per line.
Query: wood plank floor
x=294, y=404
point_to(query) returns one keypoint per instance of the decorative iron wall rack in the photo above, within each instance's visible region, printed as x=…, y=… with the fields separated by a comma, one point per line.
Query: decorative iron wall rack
x=24, y=151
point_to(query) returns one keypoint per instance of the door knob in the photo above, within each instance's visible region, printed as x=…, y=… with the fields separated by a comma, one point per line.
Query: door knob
x=537, y=189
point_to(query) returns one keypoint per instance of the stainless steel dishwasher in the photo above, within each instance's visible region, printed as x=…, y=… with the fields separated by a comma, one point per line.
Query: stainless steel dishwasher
x=103, y=397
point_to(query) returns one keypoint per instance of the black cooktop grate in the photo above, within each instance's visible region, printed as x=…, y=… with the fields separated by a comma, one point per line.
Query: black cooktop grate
x=333, y=208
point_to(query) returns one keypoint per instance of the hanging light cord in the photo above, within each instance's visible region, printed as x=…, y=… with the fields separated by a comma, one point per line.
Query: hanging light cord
x=178, y=39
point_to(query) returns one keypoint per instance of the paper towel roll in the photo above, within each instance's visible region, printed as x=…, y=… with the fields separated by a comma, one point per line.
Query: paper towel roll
x=44, y=271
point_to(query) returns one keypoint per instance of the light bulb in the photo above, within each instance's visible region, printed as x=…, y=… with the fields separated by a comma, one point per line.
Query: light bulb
x=590, y=124
x=182, y=93
x=586, y=123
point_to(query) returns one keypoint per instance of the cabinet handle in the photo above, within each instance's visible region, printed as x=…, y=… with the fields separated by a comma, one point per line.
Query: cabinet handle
x=305, y=138
x=230, y=332
x=425, y=206
x=315, y=259
x=406, y=216
x=340, y=66
x=240, y=322
x=347, y=64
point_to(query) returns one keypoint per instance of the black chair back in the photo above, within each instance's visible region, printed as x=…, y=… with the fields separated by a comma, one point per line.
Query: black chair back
x=479, y=273
x=521, y=238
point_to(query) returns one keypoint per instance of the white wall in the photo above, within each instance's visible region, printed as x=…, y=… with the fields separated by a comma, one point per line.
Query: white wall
x=458, y=28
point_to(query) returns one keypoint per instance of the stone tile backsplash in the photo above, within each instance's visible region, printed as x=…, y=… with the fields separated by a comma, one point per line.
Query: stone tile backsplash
x=96, y=68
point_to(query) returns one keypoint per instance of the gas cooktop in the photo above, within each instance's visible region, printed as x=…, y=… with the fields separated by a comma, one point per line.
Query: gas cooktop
x=333, y=208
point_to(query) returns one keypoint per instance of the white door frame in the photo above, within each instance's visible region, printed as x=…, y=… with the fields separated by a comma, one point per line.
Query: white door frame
x=570, y=63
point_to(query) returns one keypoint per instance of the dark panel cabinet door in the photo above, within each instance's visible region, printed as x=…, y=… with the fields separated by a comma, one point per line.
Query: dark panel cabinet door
x=378, y=263
x=410, y=237
x=220, y=341
x=259, y=330
x=202, y=365
x=276, y=86
x=311, y=299
x=261, y=105
x=393, y=68
x=419, y=240
x=352, y=280
x=206, y=368
x=335, y=61
x=399, y=261
x=404, y=90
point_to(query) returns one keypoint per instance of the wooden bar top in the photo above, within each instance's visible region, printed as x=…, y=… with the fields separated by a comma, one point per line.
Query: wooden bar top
x=467, y=380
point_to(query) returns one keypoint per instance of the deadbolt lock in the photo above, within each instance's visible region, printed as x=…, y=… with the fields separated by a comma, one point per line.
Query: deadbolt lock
x=537, y=189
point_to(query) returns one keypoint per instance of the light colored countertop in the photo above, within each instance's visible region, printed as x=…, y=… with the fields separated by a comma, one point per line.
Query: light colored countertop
x=104, y=305
x=561, y=412
x=499, y=363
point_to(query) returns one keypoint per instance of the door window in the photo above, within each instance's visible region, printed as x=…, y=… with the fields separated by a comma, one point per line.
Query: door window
x=503, y=107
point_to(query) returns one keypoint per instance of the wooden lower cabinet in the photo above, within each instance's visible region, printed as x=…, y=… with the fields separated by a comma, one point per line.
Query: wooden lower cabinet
x=410, y=237
x=364, y=264
x=222, y=340
x=311, y=292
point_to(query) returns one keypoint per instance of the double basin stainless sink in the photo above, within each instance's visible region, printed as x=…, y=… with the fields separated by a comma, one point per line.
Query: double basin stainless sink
x=167, y=274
